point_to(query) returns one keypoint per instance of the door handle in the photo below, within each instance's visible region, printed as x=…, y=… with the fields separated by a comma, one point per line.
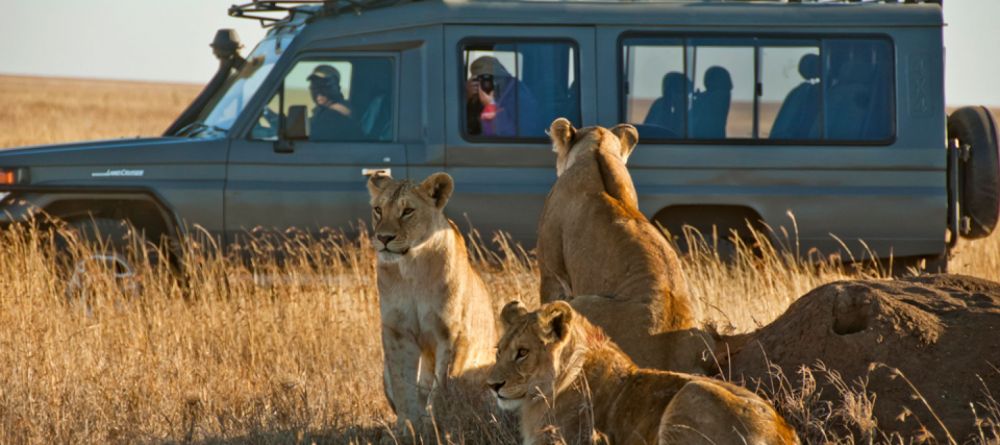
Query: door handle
x=373, y=171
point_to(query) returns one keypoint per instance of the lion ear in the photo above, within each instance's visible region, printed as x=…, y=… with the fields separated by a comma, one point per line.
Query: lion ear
x=512, y=312
x=555, y=318
x=628, y=136
x=438, y=187
x=377, y=182
x=562, y=134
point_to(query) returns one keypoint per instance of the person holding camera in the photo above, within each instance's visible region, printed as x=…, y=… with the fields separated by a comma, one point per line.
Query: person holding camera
x=331, y=117
x=494, y=99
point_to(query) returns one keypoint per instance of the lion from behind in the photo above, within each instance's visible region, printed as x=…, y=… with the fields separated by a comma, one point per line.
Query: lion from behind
x=599, y=252
x=438, y=321
x=571, y=384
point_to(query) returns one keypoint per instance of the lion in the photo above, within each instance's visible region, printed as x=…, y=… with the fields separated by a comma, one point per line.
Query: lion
x=571, y=384
x=438, y=321
x=599, y=252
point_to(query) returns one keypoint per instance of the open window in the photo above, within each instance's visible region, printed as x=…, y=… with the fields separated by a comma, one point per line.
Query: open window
x=347, y=98
x=513, y=90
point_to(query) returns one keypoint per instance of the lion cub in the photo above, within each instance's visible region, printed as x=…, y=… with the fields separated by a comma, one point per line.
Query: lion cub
x=437, y=317
x=571, y=384
x=600, y=253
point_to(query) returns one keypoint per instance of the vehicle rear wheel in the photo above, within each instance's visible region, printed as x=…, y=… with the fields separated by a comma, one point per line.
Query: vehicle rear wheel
x=979, y=183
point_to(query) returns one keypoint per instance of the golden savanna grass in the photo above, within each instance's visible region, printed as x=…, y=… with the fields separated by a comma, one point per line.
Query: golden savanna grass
x=264, y=352
x=39, y=110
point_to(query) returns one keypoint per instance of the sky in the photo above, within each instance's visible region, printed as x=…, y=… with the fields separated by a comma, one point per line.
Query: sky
x=168, y=41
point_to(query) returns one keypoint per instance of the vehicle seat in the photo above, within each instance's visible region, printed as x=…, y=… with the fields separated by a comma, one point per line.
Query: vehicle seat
x=668, y=111
x=376, y=121
x=849, y=100
x=710, y=108
x=798, y=117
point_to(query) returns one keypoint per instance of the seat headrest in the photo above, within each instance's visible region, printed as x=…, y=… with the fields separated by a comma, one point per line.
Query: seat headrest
x=676, y=84
x=717, y=78
x=809, y=66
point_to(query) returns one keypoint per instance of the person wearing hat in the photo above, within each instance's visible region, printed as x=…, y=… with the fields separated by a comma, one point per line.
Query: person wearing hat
x=499, y=97
x=331, y=117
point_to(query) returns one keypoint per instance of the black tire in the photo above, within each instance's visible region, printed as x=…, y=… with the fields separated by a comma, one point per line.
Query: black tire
x=979, y=183
x=114, y=238
x=110, y=242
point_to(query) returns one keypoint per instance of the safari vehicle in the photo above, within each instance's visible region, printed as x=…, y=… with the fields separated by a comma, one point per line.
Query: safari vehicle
x=747, y=112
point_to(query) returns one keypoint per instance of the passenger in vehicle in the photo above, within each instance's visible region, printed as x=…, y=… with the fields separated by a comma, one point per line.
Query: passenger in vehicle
x=508, y=107
x=473, y=107
x=710, y=108
x=798, y=117
x=669, y=110
x=332, y=116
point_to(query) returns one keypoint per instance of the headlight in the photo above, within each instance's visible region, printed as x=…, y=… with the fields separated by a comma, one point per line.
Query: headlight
x=13, y=175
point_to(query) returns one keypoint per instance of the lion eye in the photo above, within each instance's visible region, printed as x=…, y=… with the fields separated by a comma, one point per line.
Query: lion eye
x=378, y=211
x=521, y=354
x=407, y=211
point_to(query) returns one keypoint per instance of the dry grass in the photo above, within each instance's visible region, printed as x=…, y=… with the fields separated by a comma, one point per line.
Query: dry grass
x=51, y=110
x=286, y=353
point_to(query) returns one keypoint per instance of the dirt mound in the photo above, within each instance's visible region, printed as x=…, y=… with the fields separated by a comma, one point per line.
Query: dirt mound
x=941, y=331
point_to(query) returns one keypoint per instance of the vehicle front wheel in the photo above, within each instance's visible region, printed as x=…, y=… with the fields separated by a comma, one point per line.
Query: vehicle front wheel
x=90, y=244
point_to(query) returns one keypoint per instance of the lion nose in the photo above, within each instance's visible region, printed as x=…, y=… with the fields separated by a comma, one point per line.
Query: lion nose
x=496, y=386
x=385, y=239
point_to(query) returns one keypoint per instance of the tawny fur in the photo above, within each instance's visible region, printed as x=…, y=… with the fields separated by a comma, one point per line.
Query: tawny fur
x=600, y=253
x=438, y=321
x=571, y=384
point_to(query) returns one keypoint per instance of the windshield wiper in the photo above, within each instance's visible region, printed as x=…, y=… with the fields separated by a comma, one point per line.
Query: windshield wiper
x=195, y=128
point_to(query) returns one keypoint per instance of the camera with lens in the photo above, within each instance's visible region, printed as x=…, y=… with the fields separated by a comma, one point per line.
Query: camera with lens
x=485, y=82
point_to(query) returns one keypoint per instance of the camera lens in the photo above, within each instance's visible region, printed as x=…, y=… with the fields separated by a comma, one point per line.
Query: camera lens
x=486, y=82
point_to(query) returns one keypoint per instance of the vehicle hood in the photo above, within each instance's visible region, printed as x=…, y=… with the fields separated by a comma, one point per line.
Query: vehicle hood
x=118, y=152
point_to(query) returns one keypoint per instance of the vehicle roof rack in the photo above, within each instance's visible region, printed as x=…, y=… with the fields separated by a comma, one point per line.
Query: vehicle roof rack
x=263, y=10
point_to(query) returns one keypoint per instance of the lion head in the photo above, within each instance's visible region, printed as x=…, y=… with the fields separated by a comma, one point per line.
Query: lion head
x=535, y=357
x=406, y=215
x=569, y=143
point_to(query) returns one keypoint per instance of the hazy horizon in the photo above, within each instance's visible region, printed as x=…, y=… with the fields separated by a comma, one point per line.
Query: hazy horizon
x=168, y=42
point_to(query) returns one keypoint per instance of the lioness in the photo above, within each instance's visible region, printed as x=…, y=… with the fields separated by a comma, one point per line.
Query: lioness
x=598, y=251
x=437, y=318
x=573, y=385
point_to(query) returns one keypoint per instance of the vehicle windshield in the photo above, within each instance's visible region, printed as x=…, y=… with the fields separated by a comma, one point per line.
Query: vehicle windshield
x=220, y=113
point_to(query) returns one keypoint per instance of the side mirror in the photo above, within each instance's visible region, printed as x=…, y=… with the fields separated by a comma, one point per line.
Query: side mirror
x=295, y=128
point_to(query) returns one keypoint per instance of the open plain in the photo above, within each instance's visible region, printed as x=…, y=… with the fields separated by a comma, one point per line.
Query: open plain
x=236, y=356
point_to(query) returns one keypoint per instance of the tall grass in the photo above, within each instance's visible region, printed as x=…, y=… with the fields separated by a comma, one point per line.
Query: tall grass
x=261, y=351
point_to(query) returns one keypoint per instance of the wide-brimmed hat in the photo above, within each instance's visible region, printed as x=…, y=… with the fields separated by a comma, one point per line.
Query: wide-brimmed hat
x=488, y=65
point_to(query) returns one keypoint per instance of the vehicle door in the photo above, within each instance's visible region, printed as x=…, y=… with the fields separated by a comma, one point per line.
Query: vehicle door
x=282, y=186
x=498, y=153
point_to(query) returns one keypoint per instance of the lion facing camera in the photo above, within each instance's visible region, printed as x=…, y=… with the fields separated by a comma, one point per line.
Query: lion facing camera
x=438, y=321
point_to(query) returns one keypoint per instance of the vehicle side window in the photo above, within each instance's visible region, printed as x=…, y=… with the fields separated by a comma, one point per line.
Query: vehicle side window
x=348, y=99
x=515, y=89
x=658, y=108
x=722, y=102
x=748, y=88
x=790, y=92
x=859, y=100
